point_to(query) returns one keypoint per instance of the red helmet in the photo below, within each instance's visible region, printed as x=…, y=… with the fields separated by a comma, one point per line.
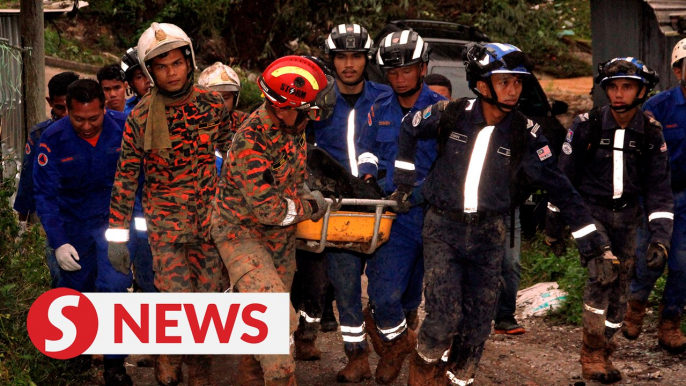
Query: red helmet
x=299, y=83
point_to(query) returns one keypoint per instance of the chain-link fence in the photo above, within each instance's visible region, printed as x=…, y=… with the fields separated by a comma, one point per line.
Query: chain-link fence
x=11, y=111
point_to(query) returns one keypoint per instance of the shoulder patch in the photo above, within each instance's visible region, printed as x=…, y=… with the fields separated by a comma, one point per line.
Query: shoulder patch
x=417, y=118
x=544, y=153
x=570, y=135
x=583, y=117
x=42, y=159
x=427, y=112
x=663, y=148
x=27, y=148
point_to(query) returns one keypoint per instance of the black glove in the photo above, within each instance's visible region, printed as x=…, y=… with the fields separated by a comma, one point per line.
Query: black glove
x=401, y=196
x=118, y=254
x=318, y=204
x=656, y=256
x=374, y=184
x=604, y=269
x=557, y=246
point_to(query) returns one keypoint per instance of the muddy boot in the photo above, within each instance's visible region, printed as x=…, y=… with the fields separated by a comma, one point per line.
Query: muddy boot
x=613, y=374
x=357, y=368
x=249, y=371
x=115, y=373
x=168, y=370
x=633, y=320
x=199, y=370
x=412, y=318
x=305, y=349
x=593, y=358
x=669, y=334
x=395, y=352
x=423, y=373
x=372, y=332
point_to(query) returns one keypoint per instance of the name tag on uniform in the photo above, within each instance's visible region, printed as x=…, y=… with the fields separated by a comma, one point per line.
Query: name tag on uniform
x=504, y=151
x=458, y=137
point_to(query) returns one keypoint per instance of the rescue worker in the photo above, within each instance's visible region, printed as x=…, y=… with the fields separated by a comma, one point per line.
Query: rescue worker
x=440, y=85
x=24, y=202
x=135, y=78
x=113, y=82
x=483, y=144
x=348, y=47
x=73, y=176
x=171, y=136
x=669, y=108
x=396, y=271
x=262, y=195
x=615, y=155
x=224, y=80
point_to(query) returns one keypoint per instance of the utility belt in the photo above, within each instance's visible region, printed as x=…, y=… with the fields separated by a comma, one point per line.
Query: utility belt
x=613, y=204
x=467, y=218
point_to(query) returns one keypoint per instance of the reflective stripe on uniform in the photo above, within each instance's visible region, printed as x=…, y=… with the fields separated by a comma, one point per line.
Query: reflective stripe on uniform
x=218, y=154
x=460, y=382
x=553, y=208
x=656, y=215
x=308, y=318
x=588, y=229
x=618, y=164
x=117, y=235
x=404, y=165
x=391, y=333
x=593, y=310
x=139, y=223
x=368, y=158
x=292, y=212
x=353, y=334
x=446, y=356
x=426, y=359
x=351, y=143
x=476, y=164
x=613, y=325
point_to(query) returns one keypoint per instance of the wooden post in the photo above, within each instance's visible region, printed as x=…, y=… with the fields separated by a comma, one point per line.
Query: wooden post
x=33, y=74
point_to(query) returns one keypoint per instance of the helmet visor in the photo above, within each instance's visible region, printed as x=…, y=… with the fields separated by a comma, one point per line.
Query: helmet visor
x=322, y=107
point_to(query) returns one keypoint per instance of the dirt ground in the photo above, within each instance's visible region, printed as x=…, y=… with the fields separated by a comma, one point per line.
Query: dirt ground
x=546, y=355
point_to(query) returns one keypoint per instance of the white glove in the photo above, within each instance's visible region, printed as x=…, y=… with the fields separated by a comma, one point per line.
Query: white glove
x=67, y=258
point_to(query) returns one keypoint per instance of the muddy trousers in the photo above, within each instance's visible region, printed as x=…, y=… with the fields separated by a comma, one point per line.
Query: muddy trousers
x=193, y=266
x=261, y=264
x=462, y=279
x=308, y=291
x=610, y=301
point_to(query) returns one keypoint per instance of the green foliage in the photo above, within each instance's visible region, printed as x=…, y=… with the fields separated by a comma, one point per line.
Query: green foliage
x=64, y=48
x=540, y=265
x=23, y=277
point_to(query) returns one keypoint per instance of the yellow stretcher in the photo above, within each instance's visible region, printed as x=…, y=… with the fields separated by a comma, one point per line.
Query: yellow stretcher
x=357, y=231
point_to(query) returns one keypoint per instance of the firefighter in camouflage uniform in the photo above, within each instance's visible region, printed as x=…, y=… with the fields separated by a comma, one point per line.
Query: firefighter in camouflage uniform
x=172, y=134
x=262, y=195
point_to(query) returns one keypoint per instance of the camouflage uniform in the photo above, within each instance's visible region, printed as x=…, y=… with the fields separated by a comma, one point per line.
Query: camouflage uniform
x=178, y=191
x=257, y=207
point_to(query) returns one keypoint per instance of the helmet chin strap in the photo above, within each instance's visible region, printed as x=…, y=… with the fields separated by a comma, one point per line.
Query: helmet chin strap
x=413, y=90
x=493, y=99
x=637, y=101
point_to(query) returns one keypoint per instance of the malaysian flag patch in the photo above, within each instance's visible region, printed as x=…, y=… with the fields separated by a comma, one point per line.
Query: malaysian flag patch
x=544, y=153
x=663, y=148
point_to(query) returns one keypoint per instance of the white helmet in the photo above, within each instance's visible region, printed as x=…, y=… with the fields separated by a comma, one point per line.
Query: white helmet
x=679, y=51
x=220, y=77
x=160, y=38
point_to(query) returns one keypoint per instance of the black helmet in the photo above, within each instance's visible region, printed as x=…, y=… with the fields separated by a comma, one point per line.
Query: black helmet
x=400, y=49
x=628, y=68
x=348, y=38
x=129, y=62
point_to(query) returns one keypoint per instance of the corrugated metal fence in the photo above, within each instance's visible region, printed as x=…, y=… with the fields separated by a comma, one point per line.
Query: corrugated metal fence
x=11, y=110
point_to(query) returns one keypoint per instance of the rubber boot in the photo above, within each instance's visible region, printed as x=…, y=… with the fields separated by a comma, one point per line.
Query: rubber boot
x=395, y=352
x=372, y=332
x=633, y=320
x=168, y=370
x=412, y=318
x=199, y=370
x=593, y=358
x=669, y=335
x=613, y=374
x=357, y=368
x=305, y=349
x=250, y=371
x=115, y=373
x=423, y=373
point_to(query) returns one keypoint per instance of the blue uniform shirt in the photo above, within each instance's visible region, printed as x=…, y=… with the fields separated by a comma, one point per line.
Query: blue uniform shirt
x=131, y=103
x=24, y=203
x=669, y=108
x=378, y=141
x=332, y=134
x=73, y=179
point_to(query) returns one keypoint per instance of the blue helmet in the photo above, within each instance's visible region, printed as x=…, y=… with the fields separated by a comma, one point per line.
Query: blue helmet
x=626, y=68
x=483, y=60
